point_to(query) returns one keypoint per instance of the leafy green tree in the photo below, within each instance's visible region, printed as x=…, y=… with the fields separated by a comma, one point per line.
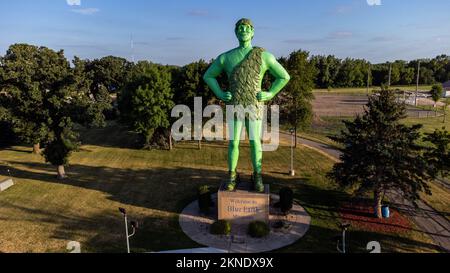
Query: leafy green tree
x=328, y=68
x=347, y=73
x=45, y=96
x=439, y=154
x=396, y=72
x=380, y=153
x=407, y=75
x=299, y=90
x=146, y=101
x=94, y=113
x=436, y=92
x=426, y=76
x=109, y=72
x=440, y=66
x=25, y=78
x=188, y=84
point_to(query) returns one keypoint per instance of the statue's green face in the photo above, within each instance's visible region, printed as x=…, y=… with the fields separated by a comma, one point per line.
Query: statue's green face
x=245, y=33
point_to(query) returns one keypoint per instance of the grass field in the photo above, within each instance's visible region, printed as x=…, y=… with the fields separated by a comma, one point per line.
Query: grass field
x=440, y=200
x=363, y=91
x=42, y=214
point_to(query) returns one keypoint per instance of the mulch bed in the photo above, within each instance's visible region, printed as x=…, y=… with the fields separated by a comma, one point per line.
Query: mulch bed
x=361, y=215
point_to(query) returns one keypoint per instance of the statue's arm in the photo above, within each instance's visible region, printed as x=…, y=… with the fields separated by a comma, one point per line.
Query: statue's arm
x=281, y=78
x=210, y=78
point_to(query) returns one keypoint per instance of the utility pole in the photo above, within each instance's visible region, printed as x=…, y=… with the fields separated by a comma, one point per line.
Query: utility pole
x=368, y=80
x=417, y=83
x=390, y=72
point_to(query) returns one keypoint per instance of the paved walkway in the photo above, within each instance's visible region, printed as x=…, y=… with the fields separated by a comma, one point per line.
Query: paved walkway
x=425, y=217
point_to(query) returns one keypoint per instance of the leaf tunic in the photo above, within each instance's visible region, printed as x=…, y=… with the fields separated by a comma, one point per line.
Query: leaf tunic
x=245, y=84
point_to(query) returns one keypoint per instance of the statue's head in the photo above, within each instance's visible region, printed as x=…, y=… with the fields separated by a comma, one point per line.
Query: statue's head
x=244, y=30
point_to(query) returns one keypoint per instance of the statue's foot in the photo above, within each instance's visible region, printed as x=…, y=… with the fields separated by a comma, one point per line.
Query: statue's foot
x=232, y=181
x=258, y=183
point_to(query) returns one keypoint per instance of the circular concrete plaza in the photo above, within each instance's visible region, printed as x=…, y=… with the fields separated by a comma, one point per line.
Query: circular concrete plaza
x=196, y=226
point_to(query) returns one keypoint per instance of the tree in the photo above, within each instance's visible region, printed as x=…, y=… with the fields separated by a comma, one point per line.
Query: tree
x=94, y=114
x=426, y=76
x=407, y=75
x=436, y=93
x=188, y=84
x=440, y=67
x=328, y=68
x=438, y=154
x=299, y=90
x=381, y=154
x=25, y=78
x=146, y=101
x=109, y=72
x=45, y=94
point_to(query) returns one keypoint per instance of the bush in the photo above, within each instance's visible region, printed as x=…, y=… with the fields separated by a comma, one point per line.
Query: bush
x=258, y=229
x=286, y=199
x=221, y=227
x=204, y=199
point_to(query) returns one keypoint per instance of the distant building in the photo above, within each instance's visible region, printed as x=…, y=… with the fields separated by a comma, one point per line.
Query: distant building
x=446, y=86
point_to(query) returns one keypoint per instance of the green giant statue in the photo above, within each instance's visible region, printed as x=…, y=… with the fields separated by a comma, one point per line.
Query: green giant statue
x=245, y=67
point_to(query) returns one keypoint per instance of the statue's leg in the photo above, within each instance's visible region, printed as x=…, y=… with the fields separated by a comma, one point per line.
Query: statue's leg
x=254, y=131
x=235, y=131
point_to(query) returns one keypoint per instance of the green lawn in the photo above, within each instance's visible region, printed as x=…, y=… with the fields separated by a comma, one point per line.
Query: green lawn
x=430, y=124
x=363, y=91
x=42, y=214
x=440, y=200
x=323, y=127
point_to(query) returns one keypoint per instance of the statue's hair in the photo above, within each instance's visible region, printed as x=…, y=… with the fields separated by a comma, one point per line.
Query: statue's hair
x=244, y=21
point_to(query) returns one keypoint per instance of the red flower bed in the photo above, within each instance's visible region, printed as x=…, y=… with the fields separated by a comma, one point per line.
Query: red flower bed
x=361, y=215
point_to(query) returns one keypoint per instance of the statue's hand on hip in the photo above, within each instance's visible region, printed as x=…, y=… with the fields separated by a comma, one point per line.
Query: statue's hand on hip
x=226, y=96
x=264, y=96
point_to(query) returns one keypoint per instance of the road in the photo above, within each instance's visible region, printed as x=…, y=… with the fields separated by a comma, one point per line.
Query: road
x=425, y=217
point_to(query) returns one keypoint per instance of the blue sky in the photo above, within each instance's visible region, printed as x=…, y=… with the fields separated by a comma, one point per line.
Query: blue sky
x=182, y=31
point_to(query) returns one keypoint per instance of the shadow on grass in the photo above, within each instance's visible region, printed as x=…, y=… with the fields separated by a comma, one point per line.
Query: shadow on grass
x=108, y=229
x=170, y=190
x=166, y=189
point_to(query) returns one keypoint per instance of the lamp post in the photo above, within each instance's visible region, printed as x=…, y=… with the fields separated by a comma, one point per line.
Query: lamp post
x=344, y=228
x=133, y=224
x=417, y=84
x=292, y=171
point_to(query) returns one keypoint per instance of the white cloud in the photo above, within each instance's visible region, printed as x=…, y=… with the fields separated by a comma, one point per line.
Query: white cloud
x=87, y=11
x=73, y=2
x=374, y=2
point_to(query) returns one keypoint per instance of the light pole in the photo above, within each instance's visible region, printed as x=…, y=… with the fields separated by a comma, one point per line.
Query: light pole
x=390, y=73
x=344, y=228
x=417, y=83
x=133, y=224
x=293, y=136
